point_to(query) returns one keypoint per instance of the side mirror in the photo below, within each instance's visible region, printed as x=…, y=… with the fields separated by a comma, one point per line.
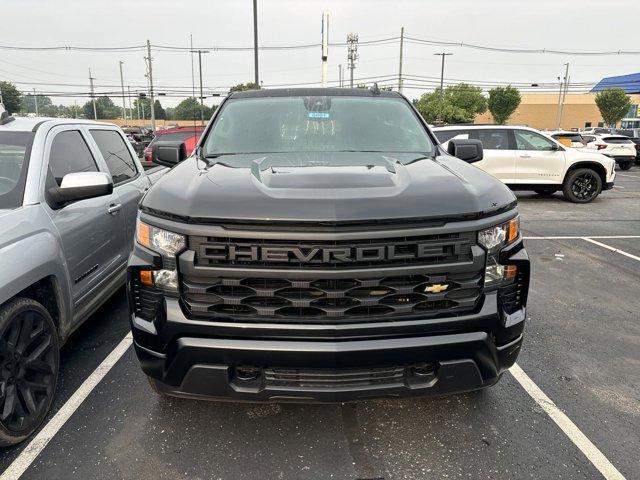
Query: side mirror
x=555, y=147
x=169, y=153
x=80, y=186
x=468, y=150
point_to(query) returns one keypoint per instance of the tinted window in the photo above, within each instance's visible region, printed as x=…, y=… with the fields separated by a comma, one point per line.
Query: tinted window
x=14, y=158
x=616, y=140
x=70, y=154
x=446, y=135
x=572, y=137
x=526, y=140
x=116, y=154
x=493, y=139
x=589, y=138
x=317, y=124
x=176, y=136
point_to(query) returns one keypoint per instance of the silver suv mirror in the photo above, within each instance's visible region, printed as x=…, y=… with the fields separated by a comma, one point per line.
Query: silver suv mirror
x=80, y=186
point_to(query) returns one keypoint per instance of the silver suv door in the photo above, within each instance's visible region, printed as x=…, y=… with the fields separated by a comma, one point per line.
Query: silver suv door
x=91, y=230
x=128, y=182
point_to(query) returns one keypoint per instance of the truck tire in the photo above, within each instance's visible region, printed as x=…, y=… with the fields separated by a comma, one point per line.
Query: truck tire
x=29, y=364
x=582, y=185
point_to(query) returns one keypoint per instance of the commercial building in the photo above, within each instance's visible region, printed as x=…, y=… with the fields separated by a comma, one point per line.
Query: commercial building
x=540, y=110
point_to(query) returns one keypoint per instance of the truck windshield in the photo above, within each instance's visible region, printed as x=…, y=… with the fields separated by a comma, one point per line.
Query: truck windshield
x=14, y=156
x=316, y=124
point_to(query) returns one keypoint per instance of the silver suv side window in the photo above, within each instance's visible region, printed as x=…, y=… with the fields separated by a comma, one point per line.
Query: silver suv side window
x=70, y=154
x=116, y=154
x=526, y=140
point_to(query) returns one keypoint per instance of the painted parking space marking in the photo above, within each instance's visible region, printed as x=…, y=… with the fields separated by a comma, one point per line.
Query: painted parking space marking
x=627, y=175
x=37, y=444
x=609, y=247
x=579, y=439
x=602, y=237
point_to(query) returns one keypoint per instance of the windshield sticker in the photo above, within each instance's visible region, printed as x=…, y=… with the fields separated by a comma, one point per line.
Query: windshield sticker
x=319, y=115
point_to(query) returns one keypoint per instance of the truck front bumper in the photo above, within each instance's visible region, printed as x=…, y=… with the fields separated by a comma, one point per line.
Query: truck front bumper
x=298, y=369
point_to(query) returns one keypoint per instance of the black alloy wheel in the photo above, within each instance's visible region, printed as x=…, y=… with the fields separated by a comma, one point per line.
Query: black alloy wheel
x=582, y=185
x=29, y=362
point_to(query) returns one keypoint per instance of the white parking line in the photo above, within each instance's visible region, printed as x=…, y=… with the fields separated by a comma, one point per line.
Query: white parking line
x=609, y=247
x=37, y=444
x=626, y=175
x=582, y=237
x=579, y=439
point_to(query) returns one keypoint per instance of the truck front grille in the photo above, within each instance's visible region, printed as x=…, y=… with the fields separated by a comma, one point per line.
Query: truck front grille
x=330, y=301
x=330, y=379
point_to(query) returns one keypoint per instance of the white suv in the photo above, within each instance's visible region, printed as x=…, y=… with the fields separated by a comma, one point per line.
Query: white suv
x=618, y=147
x=525, y=159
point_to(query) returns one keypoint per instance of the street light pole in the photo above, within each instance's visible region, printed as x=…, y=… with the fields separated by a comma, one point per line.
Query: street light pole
x=200, y=52
x=35, y=100
x=124, y=107
x=255, y=44
x=443, y=54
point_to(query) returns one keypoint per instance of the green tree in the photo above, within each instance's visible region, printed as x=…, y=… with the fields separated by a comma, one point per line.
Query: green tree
x=159, y=111
x=144, y=104
x=241, y=87
x=613, y=104
x=46, y=108
x=503, y=101
x=189, y=109
x=461, y=103
x=105, y=109
x=10, y=97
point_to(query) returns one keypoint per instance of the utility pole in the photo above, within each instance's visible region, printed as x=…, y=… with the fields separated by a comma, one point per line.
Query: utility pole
x=564, y=93
x=129, y=97
x=561, y=92
x=35, y=100
x=400, y=66
x=93, y=97
x=200, y=52
x=352, y=55
x=124, y=107
x=150, y=68
x=340, y=75
x=325, y=48
x=75, y=109
x=443, y=54
x=255, y=44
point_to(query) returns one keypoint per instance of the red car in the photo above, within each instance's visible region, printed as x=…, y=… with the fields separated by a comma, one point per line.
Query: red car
x=189, y=135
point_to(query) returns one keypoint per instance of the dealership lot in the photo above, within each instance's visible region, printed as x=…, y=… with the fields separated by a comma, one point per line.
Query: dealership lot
x=582, y=349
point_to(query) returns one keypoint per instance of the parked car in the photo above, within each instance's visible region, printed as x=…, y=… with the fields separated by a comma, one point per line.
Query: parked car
x=568, y=139
x=188, y=135
x=617, y=147
x=141, y=135
x=69, y=193
x=525, y=159
x=636, y=141
x=335, y=253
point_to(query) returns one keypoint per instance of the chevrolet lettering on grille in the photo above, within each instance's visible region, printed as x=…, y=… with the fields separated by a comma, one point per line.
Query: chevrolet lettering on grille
x=324, y=254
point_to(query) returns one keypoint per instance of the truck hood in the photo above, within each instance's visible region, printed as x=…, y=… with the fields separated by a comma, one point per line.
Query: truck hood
x=326, y=187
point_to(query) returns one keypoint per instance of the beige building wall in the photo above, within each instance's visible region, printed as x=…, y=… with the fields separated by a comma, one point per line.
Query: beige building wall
x=539, y=110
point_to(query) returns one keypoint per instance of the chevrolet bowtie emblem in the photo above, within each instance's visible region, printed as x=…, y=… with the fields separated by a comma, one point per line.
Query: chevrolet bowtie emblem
x=436, y=288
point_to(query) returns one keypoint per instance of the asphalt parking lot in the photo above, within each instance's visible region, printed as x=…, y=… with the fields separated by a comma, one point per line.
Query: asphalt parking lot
x=582, y=350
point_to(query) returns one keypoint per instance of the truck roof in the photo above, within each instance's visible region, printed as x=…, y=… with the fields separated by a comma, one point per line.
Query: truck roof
x=31, y=124
x=314, y=92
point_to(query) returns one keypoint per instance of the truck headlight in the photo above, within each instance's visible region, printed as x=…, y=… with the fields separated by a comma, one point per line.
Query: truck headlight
x=167, y=243
x=493, y=240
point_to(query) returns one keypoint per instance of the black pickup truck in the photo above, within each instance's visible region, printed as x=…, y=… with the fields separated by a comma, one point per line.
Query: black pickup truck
x=319, y=245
